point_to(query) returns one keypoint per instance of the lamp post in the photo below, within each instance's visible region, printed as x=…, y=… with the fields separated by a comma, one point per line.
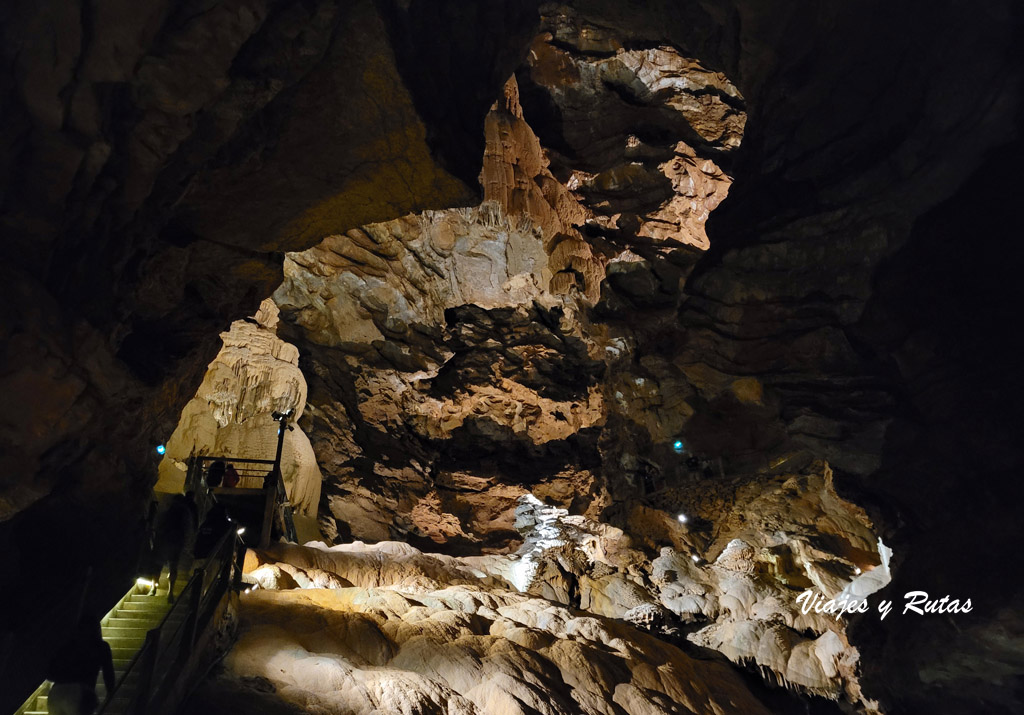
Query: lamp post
x=275, y=487
x=282, y=419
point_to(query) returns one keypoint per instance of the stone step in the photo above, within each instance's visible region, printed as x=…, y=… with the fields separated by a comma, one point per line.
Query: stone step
x=120, y=631
x=152, y=604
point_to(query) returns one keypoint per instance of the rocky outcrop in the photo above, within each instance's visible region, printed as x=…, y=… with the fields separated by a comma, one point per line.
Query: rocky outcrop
x=457, y=650
x=637, y=132
x=253, y=376
x=137, y=140
x=476, y=325
x=735, y=592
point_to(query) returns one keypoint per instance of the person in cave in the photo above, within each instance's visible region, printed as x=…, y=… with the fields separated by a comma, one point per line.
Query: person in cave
x=707, y=468
x=74, y=668
x=173, y=531
x=215, y=474
x=647, y=480
x=217, y=520
x=231, y=477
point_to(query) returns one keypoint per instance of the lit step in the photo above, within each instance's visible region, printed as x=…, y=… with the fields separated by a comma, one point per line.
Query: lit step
x=136, y=617
x=126, y=632
x=144, y=606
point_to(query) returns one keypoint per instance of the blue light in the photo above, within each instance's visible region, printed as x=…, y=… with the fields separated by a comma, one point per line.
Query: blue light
x=678, y=446
x=160, y=449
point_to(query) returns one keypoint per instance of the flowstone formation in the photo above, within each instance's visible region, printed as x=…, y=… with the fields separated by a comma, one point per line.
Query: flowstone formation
x=455, y=650
x=558, y=374
x=458, y=359
x=734, y=589
x=484, y=379
x=577, y=620
x=253, y=376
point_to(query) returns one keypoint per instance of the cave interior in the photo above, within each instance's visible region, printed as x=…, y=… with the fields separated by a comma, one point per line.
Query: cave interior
x=604, y=330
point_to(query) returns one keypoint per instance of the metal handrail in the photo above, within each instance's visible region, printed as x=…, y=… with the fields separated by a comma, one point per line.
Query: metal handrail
x=155, y=639
x=147, y=645
x=251, y=479
x=197, y=468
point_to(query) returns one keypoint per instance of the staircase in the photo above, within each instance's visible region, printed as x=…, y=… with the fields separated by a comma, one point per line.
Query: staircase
x=124, y=628
x=158, y=647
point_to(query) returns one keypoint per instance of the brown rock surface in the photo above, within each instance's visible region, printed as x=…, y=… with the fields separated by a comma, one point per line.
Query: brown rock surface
x=855, y=302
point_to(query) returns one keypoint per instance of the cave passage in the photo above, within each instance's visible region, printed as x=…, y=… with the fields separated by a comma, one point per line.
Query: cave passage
x=517, y=357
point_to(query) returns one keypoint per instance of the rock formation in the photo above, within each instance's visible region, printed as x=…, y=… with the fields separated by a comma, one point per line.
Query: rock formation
x=253, y=376
x=456, y=650
x=592, y=264
x=740, y=601
x=477, y=322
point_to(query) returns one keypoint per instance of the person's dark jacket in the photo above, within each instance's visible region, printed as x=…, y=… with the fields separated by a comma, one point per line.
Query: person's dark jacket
x=82, y=657
x=211, y=530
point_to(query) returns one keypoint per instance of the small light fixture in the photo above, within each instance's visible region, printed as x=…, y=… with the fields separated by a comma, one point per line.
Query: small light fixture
x=241, y=530
x=140, y=581
x=678, y=446
x=161, y=449
x=683, y=518
x=696, y=559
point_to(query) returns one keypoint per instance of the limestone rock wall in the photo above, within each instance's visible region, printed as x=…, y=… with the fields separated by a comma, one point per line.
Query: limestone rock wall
x=856, y=302
x=254, y=375
x=456, y=358
x=738, y=597
x=421, y=631
x=136, y=139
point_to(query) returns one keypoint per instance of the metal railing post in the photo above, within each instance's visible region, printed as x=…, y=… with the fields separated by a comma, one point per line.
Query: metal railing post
x=270, y=495
x=192, y=621
x=287, y=520
x=238, y=563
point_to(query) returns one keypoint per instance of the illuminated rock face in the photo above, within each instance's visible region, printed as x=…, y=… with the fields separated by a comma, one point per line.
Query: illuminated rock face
x=638, y=133
x=456, y=359
x=253, y=376
x=458, y=650
x=558, y=339
x=147, y=136
x=436, y=623
x=417, y=632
